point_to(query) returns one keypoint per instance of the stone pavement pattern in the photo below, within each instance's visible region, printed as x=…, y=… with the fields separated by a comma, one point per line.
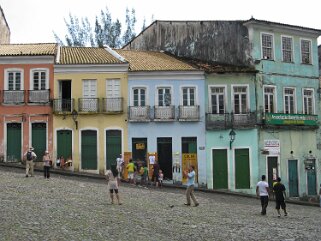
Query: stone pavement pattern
x=73, y=208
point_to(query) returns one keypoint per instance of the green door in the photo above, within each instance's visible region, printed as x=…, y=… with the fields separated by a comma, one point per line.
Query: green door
x=113, y=146
x=39, y=139
x=13, y=142
x=89, y=150
x=64, y=143
x=312, y=181
x=242, y=169
x=293, y=178
x=220, y=177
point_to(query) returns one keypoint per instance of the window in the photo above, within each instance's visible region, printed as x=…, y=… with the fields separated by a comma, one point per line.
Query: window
x=306, y=51
x=269, y=99
x=14, y=80
x=164, y=96
x=139, y=95
x=39, y=78
x=113, y=88
x=189, y=96
x=240, y=99
x=287, y=49
x=289, y=101
x=308, y=102
x=217, y=97
x=267, y=46
x=89, y=88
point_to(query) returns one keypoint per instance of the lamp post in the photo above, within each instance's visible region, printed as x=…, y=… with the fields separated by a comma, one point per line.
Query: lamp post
x=232, y=135
x=74, y=115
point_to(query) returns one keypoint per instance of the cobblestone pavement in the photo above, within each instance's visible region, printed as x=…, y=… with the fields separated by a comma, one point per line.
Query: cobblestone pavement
x=73, y=208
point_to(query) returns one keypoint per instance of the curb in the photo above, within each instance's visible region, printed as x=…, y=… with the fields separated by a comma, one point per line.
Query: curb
x=97, y=176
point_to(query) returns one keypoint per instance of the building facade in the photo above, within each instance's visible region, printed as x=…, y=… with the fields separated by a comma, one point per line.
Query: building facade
x=4, y=29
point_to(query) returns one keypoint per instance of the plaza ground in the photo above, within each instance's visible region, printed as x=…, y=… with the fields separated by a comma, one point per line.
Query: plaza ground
x=78, y=208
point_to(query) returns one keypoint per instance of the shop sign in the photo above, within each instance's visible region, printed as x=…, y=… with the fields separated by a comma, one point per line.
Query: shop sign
x=272, y=147
x=290, y=119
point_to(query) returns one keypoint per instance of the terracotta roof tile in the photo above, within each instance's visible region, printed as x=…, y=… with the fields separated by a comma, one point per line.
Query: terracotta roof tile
x=27, y=49
x=86, y=55
x=152, y=61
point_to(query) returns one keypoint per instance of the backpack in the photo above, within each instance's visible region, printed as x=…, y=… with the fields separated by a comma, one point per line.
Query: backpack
x=29, y=155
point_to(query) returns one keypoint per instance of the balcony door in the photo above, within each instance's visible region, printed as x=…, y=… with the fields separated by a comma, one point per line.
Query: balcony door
x=65, y=103
x=89, y=94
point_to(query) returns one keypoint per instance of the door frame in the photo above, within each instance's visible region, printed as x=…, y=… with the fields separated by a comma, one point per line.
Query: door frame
x=228, y=165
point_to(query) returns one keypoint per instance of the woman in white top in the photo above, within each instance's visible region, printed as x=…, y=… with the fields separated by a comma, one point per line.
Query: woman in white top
x=112, y=179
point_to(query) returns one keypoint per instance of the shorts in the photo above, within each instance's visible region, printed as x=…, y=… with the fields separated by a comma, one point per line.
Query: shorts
x=130, y=175
x=112, y=190
x=279, y=203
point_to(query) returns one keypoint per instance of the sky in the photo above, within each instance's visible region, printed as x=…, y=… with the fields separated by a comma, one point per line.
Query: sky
x=33, y=21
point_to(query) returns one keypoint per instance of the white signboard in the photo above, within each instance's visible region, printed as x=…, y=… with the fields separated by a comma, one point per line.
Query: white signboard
x=273, y=146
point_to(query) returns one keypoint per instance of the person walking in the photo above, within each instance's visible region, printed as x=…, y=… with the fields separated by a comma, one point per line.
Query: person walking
x=279, y=192
x=46, y=164
x=112, y=179
x=262, y=191
x=30, y=156
x=190, y=175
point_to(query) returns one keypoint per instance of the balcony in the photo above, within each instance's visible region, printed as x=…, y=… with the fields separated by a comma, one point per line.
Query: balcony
x=290, y=121
x=13, y=97
x=112, y=105
x=139, y=113
x=218, y=121
x=88, y=105
x=38, y=96
x=164, y=113
x=189, y=113
x=244, y=120
x=63, y=106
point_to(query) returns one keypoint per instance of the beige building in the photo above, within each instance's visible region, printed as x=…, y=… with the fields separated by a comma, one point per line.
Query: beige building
x=4, y=29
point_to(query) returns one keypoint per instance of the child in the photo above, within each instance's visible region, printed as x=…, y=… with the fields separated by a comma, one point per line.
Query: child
x=160, y=178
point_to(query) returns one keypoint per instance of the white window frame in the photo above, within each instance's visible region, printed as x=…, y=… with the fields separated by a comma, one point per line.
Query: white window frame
x=274, y=98
x=146, y=95
x=247, y=98
x=273, y=49
x=113, y=92
x=282, y=48
x=210, y=96
x=310, y=54
x=6, y=74
x=31, y=87
x=182, y=95
x=90, y=88
x=294, y=100
x=170, y=91
x=313, y=101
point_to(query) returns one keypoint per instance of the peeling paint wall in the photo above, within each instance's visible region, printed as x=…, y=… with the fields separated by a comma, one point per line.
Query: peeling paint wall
x=213, y=41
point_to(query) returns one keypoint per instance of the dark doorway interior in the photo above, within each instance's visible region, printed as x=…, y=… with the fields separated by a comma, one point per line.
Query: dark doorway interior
x=165, y=156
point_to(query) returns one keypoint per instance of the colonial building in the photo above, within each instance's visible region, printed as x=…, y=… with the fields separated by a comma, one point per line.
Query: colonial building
x=89, y=107
x=26, y=84
x=4, y=29
x=166, y=113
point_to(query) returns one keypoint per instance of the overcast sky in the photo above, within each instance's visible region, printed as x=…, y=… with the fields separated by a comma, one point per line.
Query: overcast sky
x=33, y=21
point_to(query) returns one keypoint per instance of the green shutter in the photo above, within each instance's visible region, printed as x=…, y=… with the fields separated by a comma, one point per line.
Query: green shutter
x=39, y=139
x=13, y=142
x=89, y=150
x=113, y=146
x=64, y=143
x=220, y=169
x=242, y=169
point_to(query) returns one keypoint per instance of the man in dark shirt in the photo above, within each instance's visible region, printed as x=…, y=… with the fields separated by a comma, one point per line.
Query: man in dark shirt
x=279, y=191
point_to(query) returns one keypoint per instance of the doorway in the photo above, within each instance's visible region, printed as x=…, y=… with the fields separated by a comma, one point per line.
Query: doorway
x=242, y=169
x=312, y=180
x=220, y=174
x=65, y=95
x=293, y=178
x=139, y=149
x=89, y=150
x=39, y=139
x=64, y=144
x=165, y=156
x=113, y=147
x=273, y=173
x=13, y=142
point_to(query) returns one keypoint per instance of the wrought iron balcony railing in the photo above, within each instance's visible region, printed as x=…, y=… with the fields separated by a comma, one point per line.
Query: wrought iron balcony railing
x=189, y=113
x=112, y=105
x=164, y=113
x=139, y=113
x=244, y=120
x=218, y=121
x=39, y=96
x=90, y=105
x=61, y=106
x=13, y=96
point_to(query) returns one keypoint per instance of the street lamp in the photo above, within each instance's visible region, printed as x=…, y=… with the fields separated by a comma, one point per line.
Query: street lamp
x=74, y=115
x=232, y=135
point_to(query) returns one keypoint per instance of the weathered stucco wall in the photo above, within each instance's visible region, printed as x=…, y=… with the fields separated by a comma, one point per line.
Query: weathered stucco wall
x=4, y=29
x=212, y=41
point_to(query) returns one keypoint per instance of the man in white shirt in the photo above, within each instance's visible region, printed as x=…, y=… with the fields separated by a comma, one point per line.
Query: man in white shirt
x=120, y=165
x=262, y=191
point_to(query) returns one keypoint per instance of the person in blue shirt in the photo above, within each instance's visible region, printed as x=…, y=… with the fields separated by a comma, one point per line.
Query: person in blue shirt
x=190, y=175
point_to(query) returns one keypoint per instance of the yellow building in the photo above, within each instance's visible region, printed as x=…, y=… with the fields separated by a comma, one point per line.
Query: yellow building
x=89, y=107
